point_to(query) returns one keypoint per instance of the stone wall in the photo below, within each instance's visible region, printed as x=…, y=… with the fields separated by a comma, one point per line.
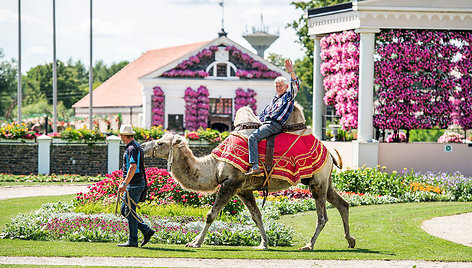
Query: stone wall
x=198, y=151
x=82, y=159
x=19, y=158
x=79, y=159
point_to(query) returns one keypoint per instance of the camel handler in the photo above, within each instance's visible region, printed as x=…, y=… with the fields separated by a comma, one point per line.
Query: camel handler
x=274, y=115
x=133, y=185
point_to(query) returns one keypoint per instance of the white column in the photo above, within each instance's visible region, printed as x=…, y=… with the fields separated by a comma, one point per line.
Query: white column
x=147, y=108
x=44, y=152
x=318, y=91
x=366, y=85
x=113, y=153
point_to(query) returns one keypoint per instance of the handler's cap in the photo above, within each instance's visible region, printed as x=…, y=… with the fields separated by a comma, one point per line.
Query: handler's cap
x=127, y=130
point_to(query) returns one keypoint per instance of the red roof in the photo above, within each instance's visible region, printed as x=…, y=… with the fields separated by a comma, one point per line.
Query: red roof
x=124, y=88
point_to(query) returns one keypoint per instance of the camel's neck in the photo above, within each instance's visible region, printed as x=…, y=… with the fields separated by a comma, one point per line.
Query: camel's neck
x=194, y=173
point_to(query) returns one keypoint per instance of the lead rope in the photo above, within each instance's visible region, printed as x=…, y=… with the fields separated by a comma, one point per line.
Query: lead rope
x=170, y=158
x=265, y=185
x=119, y=198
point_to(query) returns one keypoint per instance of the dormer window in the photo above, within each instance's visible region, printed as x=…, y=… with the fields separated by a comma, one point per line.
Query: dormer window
x=221, y=68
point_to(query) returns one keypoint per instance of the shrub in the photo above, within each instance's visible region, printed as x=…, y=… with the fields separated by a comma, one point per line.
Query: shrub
x=163, y=189
x=82, y=134
x=16, y=131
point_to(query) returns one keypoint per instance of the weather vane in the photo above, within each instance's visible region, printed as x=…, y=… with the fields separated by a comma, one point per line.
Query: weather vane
x=222, y=5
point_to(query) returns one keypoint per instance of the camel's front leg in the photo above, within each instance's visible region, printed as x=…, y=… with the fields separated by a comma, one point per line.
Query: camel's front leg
x=248, y=198
x=227, y=190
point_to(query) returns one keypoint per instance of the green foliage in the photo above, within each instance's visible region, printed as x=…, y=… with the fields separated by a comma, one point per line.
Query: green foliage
x=101, y=72
x=304, y=66
x=8, y=86
x=15, y=131
x=372, y=180
x=48, y=178
x=426, y=135
x=276, y=59
x=38, y=84
x=142, y=134
x=83, y=134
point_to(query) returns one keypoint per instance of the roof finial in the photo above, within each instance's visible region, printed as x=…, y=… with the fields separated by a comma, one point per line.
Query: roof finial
x=222, y=33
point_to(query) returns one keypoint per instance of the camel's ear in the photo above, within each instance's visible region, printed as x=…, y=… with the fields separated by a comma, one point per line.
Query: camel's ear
x=177, y=140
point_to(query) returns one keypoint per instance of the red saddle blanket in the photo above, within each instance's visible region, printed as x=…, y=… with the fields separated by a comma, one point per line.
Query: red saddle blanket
x=304, y=159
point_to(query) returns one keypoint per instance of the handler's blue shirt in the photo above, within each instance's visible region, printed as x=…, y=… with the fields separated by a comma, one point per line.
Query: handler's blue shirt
x=134, y=154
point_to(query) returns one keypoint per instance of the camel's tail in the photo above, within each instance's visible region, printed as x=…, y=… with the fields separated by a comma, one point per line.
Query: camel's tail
x=340, y=163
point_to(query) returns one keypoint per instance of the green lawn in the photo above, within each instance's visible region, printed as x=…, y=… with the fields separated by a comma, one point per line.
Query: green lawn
x=384, y=232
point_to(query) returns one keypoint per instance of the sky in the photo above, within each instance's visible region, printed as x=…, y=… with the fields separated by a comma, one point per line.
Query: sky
x=124, y=29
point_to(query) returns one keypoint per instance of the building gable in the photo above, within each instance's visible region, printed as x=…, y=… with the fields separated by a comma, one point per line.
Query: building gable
x=220, y=59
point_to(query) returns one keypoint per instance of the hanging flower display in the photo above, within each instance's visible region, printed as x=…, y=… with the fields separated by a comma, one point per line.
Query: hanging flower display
x=245, y=98
x=197, y=105
x=194, y=66
x=340, y=67
x=423, y=79
x=157, y=107
x=203, y=106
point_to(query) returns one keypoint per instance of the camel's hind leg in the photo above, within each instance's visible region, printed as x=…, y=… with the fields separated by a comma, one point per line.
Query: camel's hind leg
x=319, y=193
x=248, y=198
x=343, y=207
x=227, y=190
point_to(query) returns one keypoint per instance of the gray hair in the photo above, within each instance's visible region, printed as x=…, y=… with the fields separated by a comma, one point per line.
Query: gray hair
x=281, y=78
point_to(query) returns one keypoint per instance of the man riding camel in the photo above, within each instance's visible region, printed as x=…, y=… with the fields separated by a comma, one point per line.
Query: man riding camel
x=274, y=115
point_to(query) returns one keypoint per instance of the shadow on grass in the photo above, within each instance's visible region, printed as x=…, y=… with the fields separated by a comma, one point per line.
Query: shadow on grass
x=188, y=250
x=356, y=250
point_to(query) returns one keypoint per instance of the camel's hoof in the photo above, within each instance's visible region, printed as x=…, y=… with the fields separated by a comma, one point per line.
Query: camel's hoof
x=305, y=248
x=352, y=242
x=260, y=247
x=192, y=245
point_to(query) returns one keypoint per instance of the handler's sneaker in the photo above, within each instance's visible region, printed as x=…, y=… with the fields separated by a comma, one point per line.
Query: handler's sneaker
x=128, y=244
x=147, y=237
x=253, y=172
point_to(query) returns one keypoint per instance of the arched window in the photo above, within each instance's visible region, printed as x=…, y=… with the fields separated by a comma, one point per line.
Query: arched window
x=222, y=70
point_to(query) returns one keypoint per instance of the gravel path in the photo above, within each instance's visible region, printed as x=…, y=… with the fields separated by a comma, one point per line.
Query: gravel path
x=457, y=228
x=8, y=192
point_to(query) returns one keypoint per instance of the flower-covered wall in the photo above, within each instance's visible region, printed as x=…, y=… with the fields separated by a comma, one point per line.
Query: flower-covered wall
x=157, y=107
x=421, y=78
x=340, y=67
x=420, y=74
x=196, y=108
x=245, y=98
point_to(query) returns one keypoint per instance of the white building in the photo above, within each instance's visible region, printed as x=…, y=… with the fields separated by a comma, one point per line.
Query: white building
x=228, y=67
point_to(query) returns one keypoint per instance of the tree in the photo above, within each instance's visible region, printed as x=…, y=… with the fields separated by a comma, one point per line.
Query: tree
x=101, y=72
x=38, y=84
x=8, y=86
x=304, y=66
x=276, y=59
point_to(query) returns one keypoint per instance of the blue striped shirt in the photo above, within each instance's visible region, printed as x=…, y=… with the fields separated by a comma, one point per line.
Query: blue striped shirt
x=280, y=107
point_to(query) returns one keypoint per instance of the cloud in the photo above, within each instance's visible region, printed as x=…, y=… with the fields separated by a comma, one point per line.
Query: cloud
x=101, y=28
x=36, y=51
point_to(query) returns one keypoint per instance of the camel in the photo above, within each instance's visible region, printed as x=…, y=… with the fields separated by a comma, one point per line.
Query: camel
x=205, y=174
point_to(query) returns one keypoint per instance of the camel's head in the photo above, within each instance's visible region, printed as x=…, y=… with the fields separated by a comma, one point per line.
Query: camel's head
x=161, y=147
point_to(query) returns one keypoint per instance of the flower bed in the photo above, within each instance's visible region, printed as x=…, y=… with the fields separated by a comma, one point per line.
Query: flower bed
x=60, y=221
x=48, y=178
